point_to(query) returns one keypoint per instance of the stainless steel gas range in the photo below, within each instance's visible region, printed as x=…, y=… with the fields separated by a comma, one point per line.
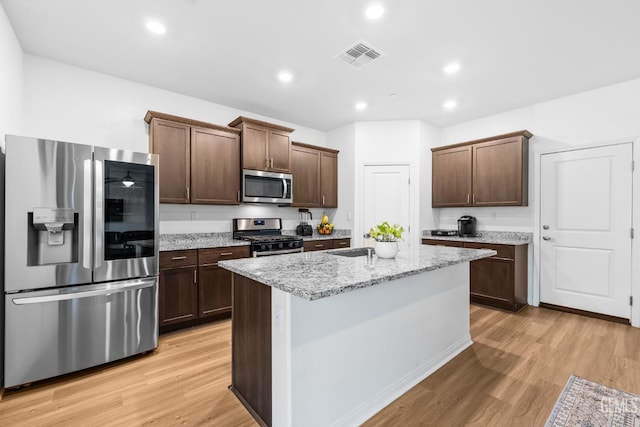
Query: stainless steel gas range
x=265, y=235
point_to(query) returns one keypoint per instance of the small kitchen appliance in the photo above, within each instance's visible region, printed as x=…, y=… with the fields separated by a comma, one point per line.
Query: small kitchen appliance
x=467, y=226
x=267, y=187
x=304, y=228
x=444, y=232
x=265, y=235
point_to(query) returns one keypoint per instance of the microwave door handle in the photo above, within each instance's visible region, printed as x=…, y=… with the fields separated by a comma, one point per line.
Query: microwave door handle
x=284, y=183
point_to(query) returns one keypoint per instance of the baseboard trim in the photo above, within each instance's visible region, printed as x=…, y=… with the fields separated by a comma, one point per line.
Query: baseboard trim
x=585, y=313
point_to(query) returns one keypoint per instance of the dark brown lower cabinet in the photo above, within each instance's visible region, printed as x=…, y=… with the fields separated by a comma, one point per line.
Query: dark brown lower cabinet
x=178, y=295
x=499, y=281
x=214, y=290
x=193, y=289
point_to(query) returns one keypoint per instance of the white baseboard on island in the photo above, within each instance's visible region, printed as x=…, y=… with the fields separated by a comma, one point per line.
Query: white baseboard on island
x=362, y=413
x=339, y=360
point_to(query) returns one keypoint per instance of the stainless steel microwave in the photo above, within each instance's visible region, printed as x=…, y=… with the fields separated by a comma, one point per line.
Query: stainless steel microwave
x=266, y=187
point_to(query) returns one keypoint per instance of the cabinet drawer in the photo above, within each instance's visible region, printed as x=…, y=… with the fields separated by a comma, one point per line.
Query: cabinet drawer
x=174, y=259
x=504, y=251
x=213, y=255
x=441, y=243
x=341, y=243
x=317, y=245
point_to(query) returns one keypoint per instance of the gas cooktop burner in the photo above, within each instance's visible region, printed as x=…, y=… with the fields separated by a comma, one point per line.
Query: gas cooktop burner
x=265, y=235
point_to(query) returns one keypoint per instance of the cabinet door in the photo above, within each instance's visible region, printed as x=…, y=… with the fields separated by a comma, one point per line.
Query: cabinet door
x=329, y=180
x=492, y=282
x=178, y=295
x=500, y=171
x=451, y=177
x=305, y=167
x=214, y=289
x=170, y=141
x=279, y=151
x=215, y=167
x=254, y=147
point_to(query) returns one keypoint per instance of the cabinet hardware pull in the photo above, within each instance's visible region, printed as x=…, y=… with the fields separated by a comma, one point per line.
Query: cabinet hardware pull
x=238, y=195
x=272, y=162
x=468, y=198
x=176, y=258
x=194, y=276
x=226, y=253
x=267, y=160
x=319, y=246
x=188, y=193
x=342, y=244
x=322, y=200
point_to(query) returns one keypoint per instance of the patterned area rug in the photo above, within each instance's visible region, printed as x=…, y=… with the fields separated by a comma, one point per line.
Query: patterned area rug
x=583, y=403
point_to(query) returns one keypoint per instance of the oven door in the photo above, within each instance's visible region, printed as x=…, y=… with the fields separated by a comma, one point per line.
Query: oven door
x=266, y=187
x=126, y=215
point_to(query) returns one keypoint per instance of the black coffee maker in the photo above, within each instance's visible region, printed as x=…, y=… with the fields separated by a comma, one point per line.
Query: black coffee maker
x=467, y=226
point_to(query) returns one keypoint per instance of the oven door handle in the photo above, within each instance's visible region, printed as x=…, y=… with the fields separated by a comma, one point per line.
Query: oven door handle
x=285, y=187
x=282, y=252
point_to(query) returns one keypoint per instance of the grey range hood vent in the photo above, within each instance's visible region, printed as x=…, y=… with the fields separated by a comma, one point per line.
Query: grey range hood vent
x=360, y=53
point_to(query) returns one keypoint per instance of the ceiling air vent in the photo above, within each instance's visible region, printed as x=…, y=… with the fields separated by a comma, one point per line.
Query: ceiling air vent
x=360, y=53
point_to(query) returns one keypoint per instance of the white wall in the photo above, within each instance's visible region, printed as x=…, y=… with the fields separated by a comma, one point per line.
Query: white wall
x=10, y=79
x=343, y=139
x=429, y=137
x=77, y=105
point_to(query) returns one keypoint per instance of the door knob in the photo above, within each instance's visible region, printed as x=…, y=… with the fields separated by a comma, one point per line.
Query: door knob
x=546, y=238
x=545, y=227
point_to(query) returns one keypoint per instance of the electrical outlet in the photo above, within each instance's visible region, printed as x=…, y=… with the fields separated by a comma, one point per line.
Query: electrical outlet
x=278, y=317
x=193, y=216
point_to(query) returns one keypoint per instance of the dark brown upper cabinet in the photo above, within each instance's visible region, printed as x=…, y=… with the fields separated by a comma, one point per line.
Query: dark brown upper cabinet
x=265, y=146
x=485, y=172
x=199, y=161
x=315, y=176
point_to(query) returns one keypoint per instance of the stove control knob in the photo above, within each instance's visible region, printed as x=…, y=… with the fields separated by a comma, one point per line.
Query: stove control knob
x=291, y=244
x=269, y=246
x=263, y=247
x=280, y=245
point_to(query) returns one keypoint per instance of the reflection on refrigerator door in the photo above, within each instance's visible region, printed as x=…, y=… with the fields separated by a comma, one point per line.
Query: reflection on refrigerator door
x=76, y=328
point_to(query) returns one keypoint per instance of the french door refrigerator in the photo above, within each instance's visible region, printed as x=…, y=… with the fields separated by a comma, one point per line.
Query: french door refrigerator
x=80, y=257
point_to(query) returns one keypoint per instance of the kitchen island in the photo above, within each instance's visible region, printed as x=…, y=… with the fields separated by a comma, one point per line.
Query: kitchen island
x=322, y=339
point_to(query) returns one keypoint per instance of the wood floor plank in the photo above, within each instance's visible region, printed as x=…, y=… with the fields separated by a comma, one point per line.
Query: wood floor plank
x=511, y=375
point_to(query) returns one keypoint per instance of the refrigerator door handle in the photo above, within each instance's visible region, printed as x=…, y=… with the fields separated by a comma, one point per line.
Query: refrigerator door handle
x=99, y=214
x=87, y=223
x=95, y=291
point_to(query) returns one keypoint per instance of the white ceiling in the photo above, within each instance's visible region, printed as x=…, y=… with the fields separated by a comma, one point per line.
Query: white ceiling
x=513, y=52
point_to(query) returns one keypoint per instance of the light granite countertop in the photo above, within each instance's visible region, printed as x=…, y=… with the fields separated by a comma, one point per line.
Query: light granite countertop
x=314, y=275
x=495, y=237
x=177, y=242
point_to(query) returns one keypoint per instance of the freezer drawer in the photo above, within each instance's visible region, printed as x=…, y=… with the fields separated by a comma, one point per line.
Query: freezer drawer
x=50, y=333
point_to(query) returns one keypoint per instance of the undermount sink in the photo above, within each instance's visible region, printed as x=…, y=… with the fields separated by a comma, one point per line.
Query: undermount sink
x=352, y=252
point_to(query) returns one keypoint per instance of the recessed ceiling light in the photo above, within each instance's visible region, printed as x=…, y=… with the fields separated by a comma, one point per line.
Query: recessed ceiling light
x=374, y=11
x=451, y=68
x=393, y=96
x=285, y=76
x=156, y=27
x=360, y=105
x=450, y=104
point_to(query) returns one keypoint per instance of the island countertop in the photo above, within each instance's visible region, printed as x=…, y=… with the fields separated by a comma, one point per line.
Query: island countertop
x=314, y=275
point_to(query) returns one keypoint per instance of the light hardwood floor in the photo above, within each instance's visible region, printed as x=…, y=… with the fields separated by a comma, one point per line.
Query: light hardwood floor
x=511, y=376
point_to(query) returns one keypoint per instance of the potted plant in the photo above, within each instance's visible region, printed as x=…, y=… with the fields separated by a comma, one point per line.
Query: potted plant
x=386, y=237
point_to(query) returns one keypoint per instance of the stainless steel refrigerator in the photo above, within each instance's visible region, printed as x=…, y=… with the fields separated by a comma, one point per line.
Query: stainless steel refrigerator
x=80, y=256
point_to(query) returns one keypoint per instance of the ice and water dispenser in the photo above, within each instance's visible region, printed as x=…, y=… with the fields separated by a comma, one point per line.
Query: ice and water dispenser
x=52, y=236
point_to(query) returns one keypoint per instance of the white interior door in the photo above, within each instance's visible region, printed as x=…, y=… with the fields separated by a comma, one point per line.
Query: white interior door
x=585, y=215
x=386, y=198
